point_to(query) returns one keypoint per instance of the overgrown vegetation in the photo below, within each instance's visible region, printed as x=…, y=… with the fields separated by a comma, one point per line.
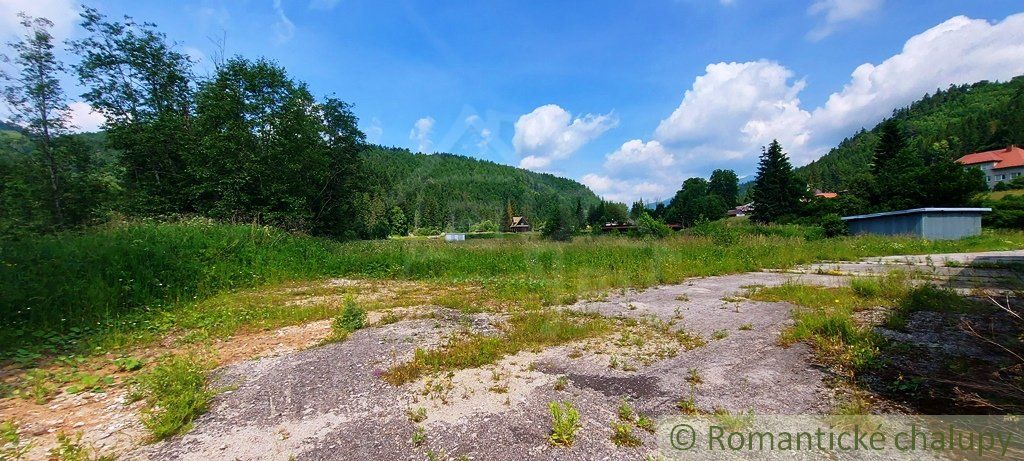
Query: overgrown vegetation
x=565, y=421
x=352, y=318
x=175, y=391
x=522, y=331
x=137, y=280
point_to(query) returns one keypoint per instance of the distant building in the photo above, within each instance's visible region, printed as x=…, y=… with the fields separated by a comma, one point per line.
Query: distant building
x=998, y=165
x=519, y=224
x=741, y=210
x=821, y=194
x=929, y=223
x=454, y=237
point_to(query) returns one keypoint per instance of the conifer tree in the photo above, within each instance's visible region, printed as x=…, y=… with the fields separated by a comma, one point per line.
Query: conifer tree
x=777, y=190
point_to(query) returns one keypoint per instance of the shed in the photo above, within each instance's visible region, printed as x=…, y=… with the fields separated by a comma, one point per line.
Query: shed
x=454, y=237
x=929, y=223
x=519, y=224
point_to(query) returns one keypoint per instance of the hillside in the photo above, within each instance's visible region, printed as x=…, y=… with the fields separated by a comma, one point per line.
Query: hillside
x=440, y=189
x=970, y=118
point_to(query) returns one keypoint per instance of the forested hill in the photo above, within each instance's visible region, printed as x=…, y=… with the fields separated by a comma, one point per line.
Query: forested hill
x=438, y=190
x=970, y=118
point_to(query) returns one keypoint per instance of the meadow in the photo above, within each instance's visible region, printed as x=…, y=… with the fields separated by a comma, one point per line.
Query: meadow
x=69, y=291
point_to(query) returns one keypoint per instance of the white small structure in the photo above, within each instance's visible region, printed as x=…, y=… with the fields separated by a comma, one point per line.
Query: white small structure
x=454, y=237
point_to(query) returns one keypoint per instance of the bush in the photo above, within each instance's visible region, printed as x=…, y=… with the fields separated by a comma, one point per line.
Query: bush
x=352, y=318
x=175, y=392
x=426, y=231
x=484, y=226
x=833, y=225
x=646, y=226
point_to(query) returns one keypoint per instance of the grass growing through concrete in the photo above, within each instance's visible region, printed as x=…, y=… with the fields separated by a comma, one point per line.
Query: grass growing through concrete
x=523, y=331
x=175, y=392
x=131, y=280
x=565, y=421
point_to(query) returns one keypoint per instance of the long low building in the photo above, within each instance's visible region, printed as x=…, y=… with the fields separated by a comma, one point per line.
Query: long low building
x=928, y=223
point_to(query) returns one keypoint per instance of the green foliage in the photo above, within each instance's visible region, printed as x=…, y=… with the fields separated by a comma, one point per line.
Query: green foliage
x=777, y=191
x=646, y=226
x=833, y=225
x=565, y=421
x=559, y=224
x=967, y=118
x=352, y=318
x=135, y=281
x=175, y=393
x=725, y=184
x=71, y=448
x=928, y=298
x=11, y=446
x=622, y=435
x=484, y=226
x=1007, y=212
x=695, y=203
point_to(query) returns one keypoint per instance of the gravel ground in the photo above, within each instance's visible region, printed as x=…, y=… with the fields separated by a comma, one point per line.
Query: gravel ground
x=328, y=403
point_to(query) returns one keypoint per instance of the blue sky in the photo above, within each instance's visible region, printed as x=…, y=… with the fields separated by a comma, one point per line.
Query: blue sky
x=629, y=97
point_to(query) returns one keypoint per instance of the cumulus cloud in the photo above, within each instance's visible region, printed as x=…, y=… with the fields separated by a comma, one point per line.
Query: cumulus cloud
x=63, y=13
x=421, y=131
x=836, y=13
x=84, y=119
x=551, y=133
x=960, y=50
x=626, y=191
x=735, y=108
x=284, y=28
x=636, y=155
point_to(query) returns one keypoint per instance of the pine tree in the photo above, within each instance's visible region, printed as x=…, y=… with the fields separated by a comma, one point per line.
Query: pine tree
x=777, y=190
x=890, y=145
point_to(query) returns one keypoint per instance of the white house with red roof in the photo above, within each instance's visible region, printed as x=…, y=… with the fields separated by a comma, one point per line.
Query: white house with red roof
x=998, y=165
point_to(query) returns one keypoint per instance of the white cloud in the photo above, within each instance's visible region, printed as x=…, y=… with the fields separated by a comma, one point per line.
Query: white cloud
x=374, y=131
x=739, y=105
x=84, y=119
x=735, y=108
x=421, y=131
x=626, y=191
x=63, y=14
x=960, y=50
x=284, y=28
x=324, y=5
x=637, y=155
x=838, y=12
x=551, y=133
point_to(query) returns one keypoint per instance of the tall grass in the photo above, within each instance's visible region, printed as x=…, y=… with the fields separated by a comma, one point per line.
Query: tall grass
x=55, y=289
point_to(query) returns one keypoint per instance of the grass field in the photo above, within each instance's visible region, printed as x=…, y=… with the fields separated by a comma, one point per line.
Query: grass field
x=1005, y=193
x=69, y=292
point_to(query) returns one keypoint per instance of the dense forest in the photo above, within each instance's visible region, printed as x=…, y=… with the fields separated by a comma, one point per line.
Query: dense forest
x=452, y=191
x=961, y=119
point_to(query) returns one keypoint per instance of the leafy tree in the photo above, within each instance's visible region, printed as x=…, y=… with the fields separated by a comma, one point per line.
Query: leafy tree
x=268, y=151
x=558, y=225
x=37, y=102
x=396, y=217
x=646, y=226
x=777, y=191
x=637, y=209
x=142, y=87
x=693, y=203
x=725, y=184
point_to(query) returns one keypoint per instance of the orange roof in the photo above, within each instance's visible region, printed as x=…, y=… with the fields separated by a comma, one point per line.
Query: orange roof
x=1010, y=157
x=826, y=194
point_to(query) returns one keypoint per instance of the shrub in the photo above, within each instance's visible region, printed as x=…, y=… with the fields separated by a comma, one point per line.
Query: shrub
x=484, y=226
x=175, y=392
x=352, y=318
x=833, y=225
x=426, y=231
x=565, y=420
x=646, y=226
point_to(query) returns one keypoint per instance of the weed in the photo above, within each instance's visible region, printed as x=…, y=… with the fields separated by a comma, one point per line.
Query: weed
x=525, y=331
x=734, y=422
x=565, y=421
x=625, y=411
x=36, y=385
x=693, y=377
x=719, y=334
x=928, y=298
x=419, y=436
x=622, y=435
x=682, y=298
x=71, y=449
x=175, y=392
x=352, y=318
x=747, y=326
x=688, y=405
x=10, y=442
x=418, y=415
x=91, y=383
x=128, y=363
x=560, y=383
x=646, y=423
